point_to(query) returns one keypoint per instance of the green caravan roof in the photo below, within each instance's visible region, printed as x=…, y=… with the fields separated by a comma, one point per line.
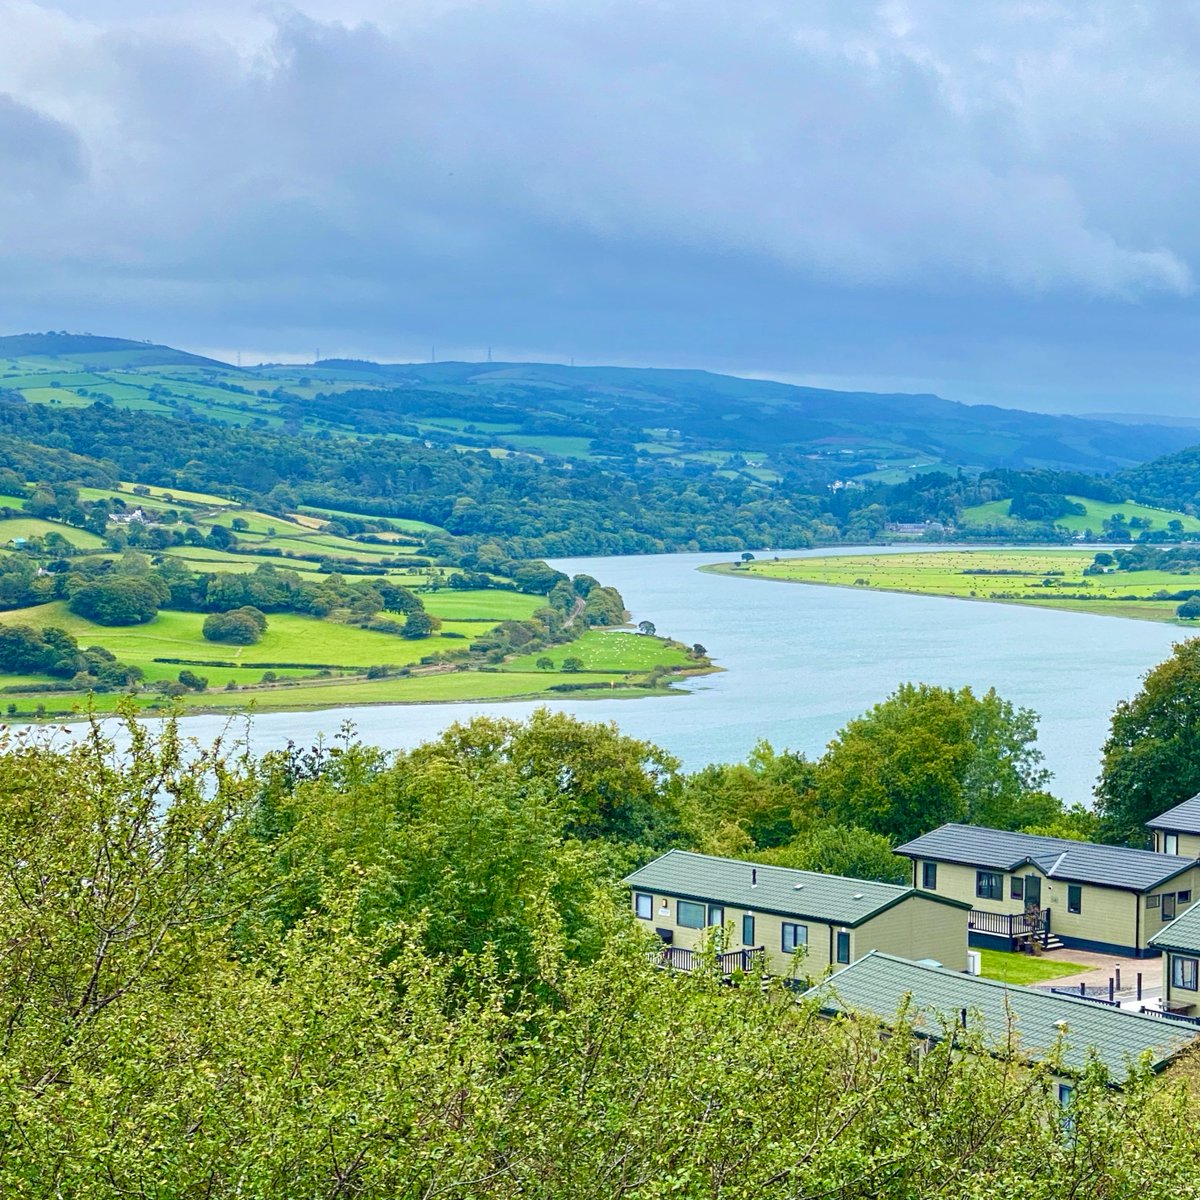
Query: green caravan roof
x=1033, y=1019
x=1183, y=933
x=811, y=895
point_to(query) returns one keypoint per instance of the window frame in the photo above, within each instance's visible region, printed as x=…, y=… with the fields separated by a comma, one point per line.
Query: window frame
x=989, y=885
x=1177, y=975
x=799, y=935
x=1184, y=897
x=1168, y=906
x=1075, y=899
x=929, y=876
x=716, y=915
x=690, y=904
x=1016, y=887
x=842, y=939
x=1153, y=901
x=638, y=897
x=1170, y=843
x=747, y=925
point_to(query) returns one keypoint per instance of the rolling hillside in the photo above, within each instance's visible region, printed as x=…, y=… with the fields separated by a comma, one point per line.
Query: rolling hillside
x=757, y=430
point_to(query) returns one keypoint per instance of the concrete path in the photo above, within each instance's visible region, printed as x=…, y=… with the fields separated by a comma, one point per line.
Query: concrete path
x=1102, y=967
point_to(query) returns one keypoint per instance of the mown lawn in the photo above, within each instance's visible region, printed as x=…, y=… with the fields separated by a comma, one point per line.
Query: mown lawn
x=1024, y=968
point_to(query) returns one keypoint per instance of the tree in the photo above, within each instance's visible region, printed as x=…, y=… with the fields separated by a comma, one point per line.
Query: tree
x=842, y=850
x=1151, y=758
x=544, y=663
x=190, y=679
x=647, y=627
x=1189, y=610
x=572, y=663
x=928, y=755
x=747, y=556
x=121, y=600
x=240, y=626
x=419, y=624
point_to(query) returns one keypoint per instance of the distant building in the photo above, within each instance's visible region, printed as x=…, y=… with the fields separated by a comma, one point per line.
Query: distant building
x=916, y=527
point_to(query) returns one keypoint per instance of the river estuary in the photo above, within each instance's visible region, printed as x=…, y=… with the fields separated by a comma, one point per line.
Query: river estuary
x=801, y=660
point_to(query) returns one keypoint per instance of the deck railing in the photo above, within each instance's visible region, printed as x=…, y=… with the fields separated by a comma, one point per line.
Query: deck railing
x=677, y=958
x=1169, y=1016
x=1033, y=923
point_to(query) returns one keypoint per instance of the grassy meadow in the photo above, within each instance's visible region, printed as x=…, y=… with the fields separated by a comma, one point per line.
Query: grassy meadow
x=313, y=663
x=1050, y=578
x=996, y=513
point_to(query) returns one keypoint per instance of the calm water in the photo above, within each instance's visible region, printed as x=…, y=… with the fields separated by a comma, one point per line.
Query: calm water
x=800, y=661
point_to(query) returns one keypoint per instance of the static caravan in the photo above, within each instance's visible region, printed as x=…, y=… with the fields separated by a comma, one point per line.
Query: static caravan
x=1025, y=1022
x=800, y=922
x=1054, y=891
x=1177, y=831
x=1180, y=943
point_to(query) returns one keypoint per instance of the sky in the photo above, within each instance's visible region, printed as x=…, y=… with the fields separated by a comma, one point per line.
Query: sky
x=995, y=202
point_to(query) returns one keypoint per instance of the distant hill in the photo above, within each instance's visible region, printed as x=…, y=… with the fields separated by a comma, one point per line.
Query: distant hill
x=1172, y=481
x=765, y=432
x=658, y=409
x=87, y=349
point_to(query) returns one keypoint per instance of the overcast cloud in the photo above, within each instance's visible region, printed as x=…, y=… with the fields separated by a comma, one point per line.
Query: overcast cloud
x=992, y=201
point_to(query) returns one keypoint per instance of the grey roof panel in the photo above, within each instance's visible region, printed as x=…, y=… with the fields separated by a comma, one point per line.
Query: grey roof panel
x=878, y=984
x=1059, y=858
x=1183, y=818
x=819, y=897
x=1183, y=933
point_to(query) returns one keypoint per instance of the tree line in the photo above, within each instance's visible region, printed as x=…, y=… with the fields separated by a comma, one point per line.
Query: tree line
x=334, y=972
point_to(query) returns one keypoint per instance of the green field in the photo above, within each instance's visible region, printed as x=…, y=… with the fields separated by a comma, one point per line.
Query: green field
x=996, y=513
x=1049, y=578
x=1024, y=968
x=610, y=651
x=33, y=527
x=290, y=638
x=490, y=604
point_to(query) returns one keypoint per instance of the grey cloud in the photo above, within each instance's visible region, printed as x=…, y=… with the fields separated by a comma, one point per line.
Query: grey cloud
x=36, y=152
x=555, y=169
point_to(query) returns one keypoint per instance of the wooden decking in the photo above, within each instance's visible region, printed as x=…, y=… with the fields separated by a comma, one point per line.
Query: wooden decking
x=1032, y=925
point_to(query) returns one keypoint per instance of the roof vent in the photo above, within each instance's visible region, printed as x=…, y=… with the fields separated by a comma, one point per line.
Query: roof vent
x=754, y=877
x=857, y=896
x=1061, y=1026
x=797, y=886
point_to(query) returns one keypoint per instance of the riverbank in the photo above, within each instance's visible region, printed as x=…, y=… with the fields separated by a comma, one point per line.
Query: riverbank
x=602, y=664
x=1050, y=577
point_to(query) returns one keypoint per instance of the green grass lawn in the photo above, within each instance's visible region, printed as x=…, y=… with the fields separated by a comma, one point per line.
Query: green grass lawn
x=996, y=513
x=608, y=650
x=1050, y=578
x=1024, y=968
